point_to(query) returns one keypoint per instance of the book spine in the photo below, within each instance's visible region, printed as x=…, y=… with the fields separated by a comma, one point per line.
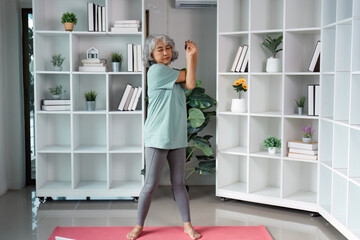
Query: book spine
x=311, y=100
x=130, y=58
x=127, y=103
x=90, y=17
x=315, y=60
x=136, y=98
x=241, y=60
x=140, y=64
x=103, y=9
x=317, y=100
x=236, y=60
x=124, y=97
x=96, y=18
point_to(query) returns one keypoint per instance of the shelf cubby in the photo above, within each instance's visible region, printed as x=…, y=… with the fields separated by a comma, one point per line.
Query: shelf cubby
x=329, y=12
x=328, y=49
x=125, y=173
x=354, y=154
x=83, y=83
x=356, y=47
x=266, y=14
x=300, y=181
x=299, y=49
x=355, y=100
x=88, y=138
x=307, y=11
x=339, y=196
x=49, y=44
x=226, y=91
x=353, y=222
x=260, y=129
x=125, y=135
x=296, y=87
x=344, y=9
x=342, y=97
x=341, y=143
x=233, y=130
x=106, y=44
x=228, y=46
x=292, y=128
x=236, y=16
x=265, y=177
x=259, y=54
x=54, y=171
x=54, y=133
x=117, y=85
x=90, y=172
x=46, y=81
x=343, y=47
x=266, y=94
x=234, y=171
x=326, y=142
x=327, y=96
x=123, y=10
x=325, y=188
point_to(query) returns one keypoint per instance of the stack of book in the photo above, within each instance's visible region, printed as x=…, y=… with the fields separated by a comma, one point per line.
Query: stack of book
x=96, y=18
x=126, y=26
x=55, y=105
x=301, y=150
x=134, y=58
x=93, y=65
x=241, y=59
x=130, y=98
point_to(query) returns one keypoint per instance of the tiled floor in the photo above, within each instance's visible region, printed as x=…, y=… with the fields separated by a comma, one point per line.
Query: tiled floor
x=23, y=217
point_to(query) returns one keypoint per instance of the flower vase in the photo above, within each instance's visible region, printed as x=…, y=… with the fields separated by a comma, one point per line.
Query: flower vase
x=307, y=140
x=273, y=65
x=238, y=105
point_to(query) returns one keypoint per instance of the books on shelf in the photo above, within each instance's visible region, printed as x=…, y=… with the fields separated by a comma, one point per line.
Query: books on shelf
x=126, y=26
x=313, y=99
x=315, y=60
x=134, y=58
x=241, y=59
x=96, y=18
x=301, y=150
x=93, y=65
x=129, y=98
x=301, y=145
x=302, y=156
x=55, y=105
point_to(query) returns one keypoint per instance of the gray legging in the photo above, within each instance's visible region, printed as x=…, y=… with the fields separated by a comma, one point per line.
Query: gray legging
x=155, y=160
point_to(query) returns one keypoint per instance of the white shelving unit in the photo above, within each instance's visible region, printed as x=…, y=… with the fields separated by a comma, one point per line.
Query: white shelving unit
x=245, y=171
x=81, y=153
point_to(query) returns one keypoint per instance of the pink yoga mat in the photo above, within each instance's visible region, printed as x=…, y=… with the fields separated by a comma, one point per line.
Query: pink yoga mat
x=159, y=233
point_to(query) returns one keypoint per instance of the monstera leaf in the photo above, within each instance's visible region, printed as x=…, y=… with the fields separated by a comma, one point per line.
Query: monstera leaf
x=196, y=117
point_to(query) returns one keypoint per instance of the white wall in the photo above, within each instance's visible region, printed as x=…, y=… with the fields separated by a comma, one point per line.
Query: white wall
x=199, y=25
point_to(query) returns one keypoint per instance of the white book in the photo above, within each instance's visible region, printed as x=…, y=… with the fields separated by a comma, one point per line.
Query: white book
x=91, y=17
x=303, y=151
x=55, y=102
x=124, y=30
x=127, y=22
x=241, y=59
x=236, y=60
x=96, y=28
x=311, y=100
x=317, y=100
x=130, y=58
x=302, y=156
x=55, y=107
x=99, y=18
x=124, y=97
x=127, y=25
x=245, y=62
x=315, y=57
x=136, y=64
x=140, y=63
x=127, y=103
x=93, y=60
x=138, y=93
x=94, y=64
x=92, y=69
x=132, y=99
x=103, y=19
x=302, y=145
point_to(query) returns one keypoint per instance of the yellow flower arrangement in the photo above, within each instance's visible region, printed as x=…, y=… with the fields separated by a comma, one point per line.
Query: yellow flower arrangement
x=239, y=86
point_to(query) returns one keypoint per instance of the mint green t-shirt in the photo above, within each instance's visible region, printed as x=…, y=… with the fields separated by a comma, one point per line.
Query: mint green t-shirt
x=166, y=123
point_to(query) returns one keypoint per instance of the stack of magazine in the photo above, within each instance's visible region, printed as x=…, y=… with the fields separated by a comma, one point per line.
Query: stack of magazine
x=55, y=105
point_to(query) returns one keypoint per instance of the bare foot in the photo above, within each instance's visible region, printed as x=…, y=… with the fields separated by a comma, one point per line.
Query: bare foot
x=135, y=233
x=188, y=229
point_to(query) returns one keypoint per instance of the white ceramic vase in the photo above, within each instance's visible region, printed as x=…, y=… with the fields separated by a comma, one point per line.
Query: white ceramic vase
x=273, y=65
x=307, y=140
x=238, y=105
x=272, y=150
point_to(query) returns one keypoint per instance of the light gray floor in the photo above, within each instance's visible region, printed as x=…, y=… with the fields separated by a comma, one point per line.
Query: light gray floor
x=23, y=217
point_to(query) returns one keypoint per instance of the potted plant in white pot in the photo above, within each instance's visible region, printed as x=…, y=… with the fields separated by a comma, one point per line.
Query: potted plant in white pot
x=56, y=92
x=90, y=98
x=273, y=64
x=57, y=61
x=307, y=134
x=271, y=144
x=239, y=105
x=69, y=20
x=300, y=104
x=116, y=59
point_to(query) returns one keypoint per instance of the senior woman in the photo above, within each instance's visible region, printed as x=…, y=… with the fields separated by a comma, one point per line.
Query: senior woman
x=166, y=125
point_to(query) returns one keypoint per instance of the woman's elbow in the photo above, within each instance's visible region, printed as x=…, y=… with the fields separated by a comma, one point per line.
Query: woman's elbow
x=191, y=86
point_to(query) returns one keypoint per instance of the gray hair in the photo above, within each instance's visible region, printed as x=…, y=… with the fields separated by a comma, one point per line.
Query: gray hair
x=150, y=44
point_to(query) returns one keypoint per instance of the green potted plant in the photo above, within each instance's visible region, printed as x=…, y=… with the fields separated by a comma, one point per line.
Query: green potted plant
x=272, y=44
x=116, y=59
x=90, y=98
x=57, y=61
x=56, y=91
x=69, y=20
x=239, y=104
x=300, y=104
x=271, y=144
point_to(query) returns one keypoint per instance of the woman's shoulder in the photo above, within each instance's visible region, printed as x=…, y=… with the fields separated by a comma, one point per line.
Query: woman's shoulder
x=160, y=69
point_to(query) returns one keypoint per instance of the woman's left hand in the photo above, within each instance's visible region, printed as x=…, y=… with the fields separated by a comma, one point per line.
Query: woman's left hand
x=191, y=48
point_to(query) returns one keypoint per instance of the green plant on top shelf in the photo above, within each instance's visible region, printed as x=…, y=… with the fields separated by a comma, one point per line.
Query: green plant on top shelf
x=90, y=95
x=117, y=57
x=69, y=18
x=272, y=44
x=301, y=102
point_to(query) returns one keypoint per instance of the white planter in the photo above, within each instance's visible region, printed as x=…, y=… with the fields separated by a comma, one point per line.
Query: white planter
x=239, y=105
x=272, y=150
x=90, y=105
x=56, y=97
x=273, y=65
x=116, y=66
x=57, y=68
x=307, y=140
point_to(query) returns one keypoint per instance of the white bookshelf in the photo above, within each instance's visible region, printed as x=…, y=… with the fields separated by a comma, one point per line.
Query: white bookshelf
x=81, y=153
x=245, y=171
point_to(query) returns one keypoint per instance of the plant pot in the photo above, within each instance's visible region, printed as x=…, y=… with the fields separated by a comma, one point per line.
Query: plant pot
x=69, y=26
x=116, y=66
x=273, y=65
x=56, y=97
x=300, y=110
x=90, y=105
x=307, y=140
x=272, y=150
x=239, y=105
x=57, y=68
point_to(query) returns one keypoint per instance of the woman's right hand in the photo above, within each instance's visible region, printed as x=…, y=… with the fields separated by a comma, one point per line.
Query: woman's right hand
x=191, y=49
